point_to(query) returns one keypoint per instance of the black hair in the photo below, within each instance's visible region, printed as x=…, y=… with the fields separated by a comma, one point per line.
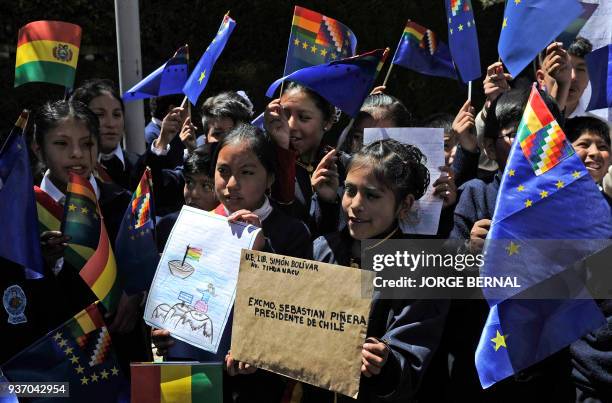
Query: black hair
x=401, y=167
x=580, y=47
x=227, y=104
x=327, y=109
x=95, y=87
x=442, y=119
x=49, y=116
x=508, y=109
x=575, y=127
x=388, y=107
x=258, y=141
x=200, y=161
x=159, y=105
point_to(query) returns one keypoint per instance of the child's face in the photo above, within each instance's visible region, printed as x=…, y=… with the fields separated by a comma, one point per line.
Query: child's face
x=498, y=149
x=368, y=203
x=367, y=121
x=199, y=192
x=108, y=109
x=594, y=153
x=67, y=148
x=240, y=178
x=306, y=122
x=217, y=128
x=449, y=148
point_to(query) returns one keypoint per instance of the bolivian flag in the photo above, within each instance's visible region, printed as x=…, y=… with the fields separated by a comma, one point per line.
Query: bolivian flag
x=47, y=51
x=178, y=382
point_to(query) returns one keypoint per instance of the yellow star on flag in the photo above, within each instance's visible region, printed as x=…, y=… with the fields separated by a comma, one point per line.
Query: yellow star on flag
x=528, y=203
x=449, y=20
x=57, y=336
x=576, y=174
x=296, y=42
x=305, y=45
x=512, y=248
x=84, y=210
x=517, y=2
x=79, y=369
x=460, y=27
x=323, y=52
x=313, y=49
x=62, y=343
x=115, y=371
x=202, y=75
x=333, y=56
x=499, y=340
x=104, y=374
x=84, y=380
x=505, y=24
x=560, y=184
x=74, y=359
x=94, y=377
x=543, y=194
x=451, y=31
x=68, y=350
x=520, y=188
x=71, y=207
x=511, y=172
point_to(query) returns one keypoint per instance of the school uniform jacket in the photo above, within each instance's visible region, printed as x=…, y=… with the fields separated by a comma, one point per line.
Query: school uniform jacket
x=127, y=175
x=411, y=328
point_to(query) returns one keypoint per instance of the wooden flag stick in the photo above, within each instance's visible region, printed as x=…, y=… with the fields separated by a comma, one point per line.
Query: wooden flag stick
x=345, y=133
x=470, y=91
x=387, y=76
x=187, y=59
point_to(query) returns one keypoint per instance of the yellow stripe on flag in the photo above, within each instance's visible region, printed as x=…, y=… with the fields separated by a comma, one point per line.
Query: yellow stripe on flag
x=85, y=322
x=175, y=383
x=84, y=251
x=306, y=24
x=47, y=219
x=104, y=283
x=414, y=33
x=531, y=119
x=43, y=51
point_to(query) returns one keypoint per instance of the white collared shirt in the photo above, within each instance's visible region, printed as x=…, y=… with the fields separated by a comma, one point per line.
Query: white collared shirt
x=57, y=194
x=117, y=152
x=156, y=121
x=262, y=213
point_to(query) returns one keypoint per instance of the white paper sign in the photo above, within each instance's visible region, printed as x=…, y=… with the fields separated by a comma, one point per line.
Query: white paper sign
x=425, y=214
x=194, y=287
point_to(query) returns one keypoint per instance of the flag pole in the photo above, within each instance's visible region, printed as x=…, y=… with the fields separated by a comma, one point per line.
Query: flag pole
x=469, y=91
x=185, y=255
x=345, y=133
x=387, y=76
x=187, y=58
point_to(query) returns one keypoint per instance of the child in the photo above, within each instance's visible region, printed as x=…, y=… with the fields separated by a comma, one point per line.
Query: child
x=66, y=140
x=103, y=99
x=382, y=182
x=591, y=140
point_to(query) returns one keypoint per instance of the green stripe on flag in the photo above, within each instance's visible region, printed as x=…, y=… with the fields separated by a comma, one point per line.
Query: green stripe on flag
x=49, y=72
x=206, y=383
x=111, y=300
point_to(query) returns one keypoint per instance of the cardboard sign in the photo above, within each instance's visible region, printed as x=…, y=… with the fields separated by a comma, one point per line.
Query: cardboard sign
x=302, y=319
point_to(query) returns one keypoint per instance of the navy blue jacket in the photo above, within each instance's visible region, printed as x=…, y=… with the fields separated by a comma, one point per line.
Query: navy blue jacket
x=174, y=157
x=411, y=328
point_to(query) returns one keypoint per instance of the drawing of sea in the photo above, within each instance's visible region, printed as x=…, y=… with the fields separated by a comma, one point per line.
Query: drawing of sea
x=194, y=286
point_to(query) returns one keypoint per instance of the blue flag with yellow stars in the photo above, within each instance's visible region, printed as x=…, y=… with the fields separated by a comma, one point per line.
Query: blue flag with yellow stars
x=78, y=352
x=19, y=238
x=201, y=73
x=344, y=83
x=531, y=25
x=549, y=215
x=599, y=63
x=135, y=247
x=463, y=38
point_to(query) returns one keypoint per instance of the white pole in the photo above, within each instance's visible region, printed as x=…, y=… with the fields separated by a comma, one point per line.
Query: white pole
x=127, y=20
x=470, y=91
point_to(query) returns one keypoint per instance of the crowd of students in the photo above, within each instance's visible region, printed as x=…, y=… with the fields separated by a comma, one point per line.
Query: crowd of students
x=318, y=202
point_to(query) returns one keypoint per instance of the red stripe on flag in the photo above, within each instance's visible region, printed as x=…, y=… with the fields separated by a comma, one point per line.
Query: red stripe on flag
x=97, y=262
x=539, y=107
x=51, y=31
x=308, y=14
x=48, y=203
x=94, y=315
x=146, y=381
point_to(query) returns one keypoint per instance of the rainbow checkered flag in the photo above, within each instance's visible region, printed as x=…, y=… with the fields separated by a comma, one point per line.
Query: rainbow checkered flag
x=78, y=352
x=135, y=247
x=317, y=39
x=549, y=215
x=89, y=250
